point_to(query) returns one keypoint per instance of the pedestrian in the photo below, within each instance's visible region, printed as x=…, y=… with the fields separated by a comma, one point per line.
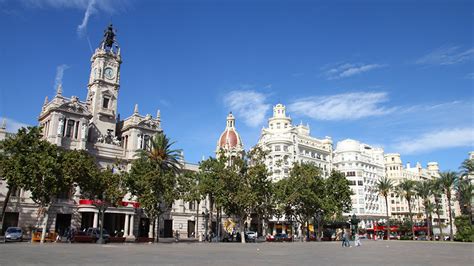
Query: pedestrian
x=343, y=238
x=357, y=240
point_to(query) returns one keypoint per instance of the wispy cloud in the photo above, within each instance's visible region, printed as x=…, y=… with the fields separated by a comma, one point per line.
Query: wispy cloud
x=346, y=106
x=436, y=140
x=12, y=125
x=446, y=56
x=249, y=105
x=346, y=70
x=81, y=29
x=470, y=75
x=59, y=75
x=89, y=7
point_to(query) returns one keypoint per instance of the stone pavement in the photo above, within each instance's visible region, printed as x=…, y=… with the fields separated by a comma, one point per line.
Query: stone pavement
x=325, y=253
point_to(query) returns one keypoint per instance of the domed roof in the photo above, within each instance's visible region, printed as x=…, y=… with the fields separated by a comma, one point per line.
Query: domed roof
x=229, y=139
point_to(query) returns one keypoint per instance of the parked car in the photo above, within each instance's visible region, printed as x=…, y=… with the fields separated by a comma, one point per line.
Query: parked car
x=279, y=238
x=250, y=236
x=95, y=233
x=13, y=234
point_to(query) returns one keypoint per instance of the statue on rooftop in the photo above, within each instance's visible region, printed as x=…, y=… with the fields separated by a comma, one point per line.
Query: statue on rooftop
x=109, y=37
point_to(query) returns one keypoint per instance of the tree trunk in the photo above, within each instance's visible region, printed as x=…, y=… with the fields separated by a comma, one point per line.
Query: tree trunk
x=242, y=233
x=451, y=237
x=388, y=218
x=427, y=220
x=441, y=235
x=158, y=229
x=411, y=220
x=196, y=232
x=45, y=223
x=4, y=208
x=319, y=230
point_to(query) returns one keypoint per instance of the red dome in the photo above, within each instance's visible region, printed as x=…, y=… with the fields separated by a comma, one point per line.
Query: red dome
x=229, y=138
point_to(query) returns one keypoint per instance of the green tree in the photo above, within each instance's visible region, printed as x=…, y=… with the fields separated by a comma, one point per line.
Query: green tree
x=465, y=230
x=37, y=166
x=245, y=186
x=336, y=199
x=16, y=164
x=465, y=190
x=154, y=177
x=406, y=189
x=447, y=181
x=210, y=184
x=424, y=191
x=304, y=192
x=384, y=186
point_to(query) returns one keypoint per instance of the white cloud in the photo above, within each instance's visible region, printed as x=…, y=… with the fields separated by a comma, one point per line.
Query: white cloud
x=81, y=29
x=89, y=7
x=248, y=105
x=346, y=106
x=436, y=140
x=59, y=75
x=12, y=125
x=346, y=70
x=446, y=56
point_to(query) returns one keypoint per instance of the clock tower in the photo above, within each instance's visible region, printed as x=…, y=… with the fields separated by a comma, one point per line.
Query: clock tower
x=103, y=87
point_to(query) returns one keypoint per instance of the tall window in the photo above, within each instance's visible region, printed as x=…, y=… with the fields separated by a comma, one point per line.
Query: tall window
x=69, y=128
x=76, y=131
x=105, y=103
x=192, y=205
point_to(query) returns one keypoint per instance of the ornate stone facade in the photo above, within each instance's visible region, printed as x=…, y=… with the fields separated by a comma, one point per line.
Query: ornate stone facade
x=287, y=143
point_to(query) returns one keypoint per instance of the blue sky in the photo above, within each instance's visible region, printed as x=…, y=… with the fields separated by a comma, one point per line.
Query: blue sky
x=396, y=74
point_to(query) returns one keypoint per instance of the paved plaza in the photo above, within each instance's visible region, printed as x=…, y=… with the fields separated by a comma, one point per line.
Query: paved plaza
x=325, y=253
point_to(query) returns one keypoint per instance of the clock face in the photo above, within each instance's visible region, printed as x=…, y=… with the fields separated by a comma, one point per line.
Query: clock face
x=109, y=73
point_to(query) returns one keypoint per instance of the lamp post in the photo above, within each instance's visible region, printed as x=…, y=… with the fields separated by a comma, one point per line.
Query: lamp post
x=101, y=207
x=354, y=223
x=205, y=214
x=319, y=217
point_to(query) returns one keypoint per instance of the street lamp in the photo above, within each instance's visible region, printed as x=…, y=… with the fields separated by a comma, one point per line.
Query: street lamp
x=101, y=206
x=205, y=214
x=354, y=223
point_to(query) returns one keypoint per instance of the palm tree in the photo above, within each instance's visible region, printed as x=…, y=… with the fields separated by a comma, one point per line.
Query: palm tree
x=437, y=192
x=159, y=153
x=467, y=168
x=465, y=191
x=406, y=189
x=165, y=160
x=384, y=185
x=430, y=208
x=423, y=190
x=447, y=181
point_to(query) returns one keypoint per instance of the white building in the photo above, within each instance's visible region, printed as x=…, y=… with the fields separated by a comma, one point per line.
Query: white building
x=95, y=126
x=287, y=144
x=362, y=165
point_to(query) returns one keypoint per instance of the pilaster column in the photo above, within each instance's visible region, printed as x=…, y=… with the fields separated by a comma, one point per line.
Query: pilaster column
x=274, y=229
x=125, y=231
x=131, y=225
x=283, y=228
x=96, y=220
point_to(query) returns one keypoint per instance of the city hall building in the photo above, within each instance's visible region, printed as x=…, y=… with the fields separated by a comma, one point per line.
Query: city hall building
x=94, y=125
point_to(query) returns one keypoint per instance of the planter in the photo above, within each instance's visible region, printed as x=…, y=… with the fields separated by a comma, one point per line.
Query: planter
x=144, y=239
x=117, y=239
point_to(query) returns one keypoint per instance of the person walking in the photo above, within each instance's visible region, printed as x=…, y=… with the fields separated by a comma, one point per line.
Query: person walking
x=357, y=240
